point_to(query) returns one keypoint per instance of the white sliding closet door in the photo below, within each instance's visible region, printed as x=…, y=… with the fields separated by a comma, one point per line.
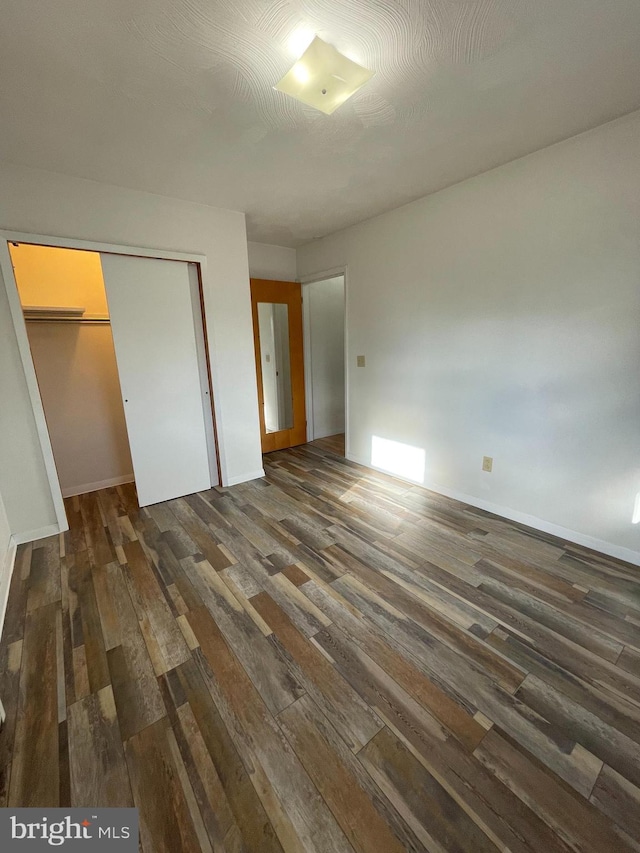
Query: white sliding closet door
x=158, y=350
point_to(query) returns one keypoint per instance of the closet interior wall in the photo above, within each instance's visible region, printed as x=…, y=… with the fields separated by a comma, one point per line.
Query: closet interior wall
x=75, y=365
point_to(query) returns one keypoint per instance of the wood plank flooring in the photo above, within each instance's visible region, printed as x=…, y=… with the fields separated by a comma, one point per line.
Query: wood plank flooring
x=326, y=659
x=332, y=443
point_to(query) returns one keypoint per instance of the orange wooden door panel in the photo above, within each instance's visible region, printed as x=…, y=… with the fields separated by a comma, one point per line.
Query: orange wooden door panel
x=288, y=293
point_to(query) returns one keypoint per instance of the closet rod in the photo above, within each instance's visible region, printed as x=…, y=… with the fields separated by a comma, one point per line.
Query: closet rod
x=67, y=320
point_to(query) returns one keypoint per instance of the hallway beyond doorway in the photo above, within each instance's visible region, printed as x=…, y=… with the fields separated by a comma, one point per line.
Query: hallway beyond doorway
x=332, y=443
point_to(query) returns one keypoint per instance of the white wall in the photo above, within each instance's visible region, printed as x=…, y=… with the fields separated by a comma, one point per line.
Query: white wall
x=80, y=389
x=324, y=314
x=5, y=534
x=275, y=263
x=41, y=202
x=502, y=317
x=23, y=480
x=7, y=555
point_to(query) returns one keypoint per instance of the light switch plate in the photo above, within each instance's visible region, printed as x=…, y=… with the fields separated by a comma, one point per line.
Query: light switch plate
x=360, y=360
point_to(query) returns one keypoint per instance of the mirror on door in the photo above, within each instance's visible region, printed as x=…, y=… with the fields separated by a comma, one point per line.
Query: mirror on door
x=273, y=329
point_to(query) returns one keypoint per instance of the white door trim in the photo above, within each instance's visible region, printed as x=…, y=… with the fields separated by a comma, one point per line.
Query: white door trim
x=308, y=365
x=207, y=407
x=17, y=317
x=322, y=276
x=306, y=336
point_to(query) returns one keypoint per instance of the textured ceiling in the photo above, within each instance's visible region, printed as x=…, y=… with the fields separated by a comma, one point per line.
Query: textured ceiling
x=175, y=96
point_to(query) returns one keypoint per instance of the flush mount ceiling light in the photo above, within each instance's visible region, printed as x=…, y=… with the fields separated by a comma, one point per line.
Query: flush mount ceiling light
x=323, y=78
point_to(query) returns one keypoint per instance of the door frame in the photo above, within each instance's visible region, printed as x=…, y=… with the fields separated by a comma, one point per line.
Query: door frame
x=20, y=328
x=312, y=279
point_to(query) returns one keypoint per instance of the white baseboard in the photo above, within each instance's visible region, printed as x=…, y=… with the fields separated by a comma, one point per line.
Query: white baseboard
x=71, y=491
x=6, y=571
x=564, y=533
x=244, y=478
x=38, y=533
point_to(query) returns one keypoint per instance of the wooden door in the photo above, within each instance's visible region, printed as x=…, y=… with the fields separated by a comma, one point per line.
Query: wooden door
x=152, y=308
x=277, y=334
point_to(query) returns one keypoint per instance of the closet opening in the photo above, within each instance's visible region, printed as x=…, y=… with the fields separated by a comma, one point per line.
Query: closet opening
x=64, y=303
x=118, y=346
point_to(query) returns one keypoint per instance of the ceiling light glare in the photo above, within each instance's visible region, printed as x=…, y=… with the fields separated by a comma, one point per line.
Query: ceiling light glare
x=299, y=40
x=300, y=72
x=323, y=78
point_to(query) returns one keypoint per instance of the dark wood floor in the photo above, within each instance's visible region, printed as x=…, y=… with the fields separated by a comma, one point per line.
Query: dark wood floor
x=324, y=660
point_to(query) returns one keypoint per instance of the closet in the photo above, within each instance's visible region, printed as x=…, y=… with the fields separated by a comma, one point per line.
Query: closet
x=65, y=308
x=120, y=357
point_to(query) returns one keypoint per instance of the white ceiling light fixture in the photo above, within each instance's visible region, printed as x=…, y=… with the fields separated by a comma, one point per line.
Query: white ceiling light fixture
x=323, y=78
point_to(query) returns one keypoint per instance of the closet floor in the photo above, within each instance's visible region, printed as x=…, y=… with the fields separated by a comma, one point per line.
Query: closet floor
x=326, y=659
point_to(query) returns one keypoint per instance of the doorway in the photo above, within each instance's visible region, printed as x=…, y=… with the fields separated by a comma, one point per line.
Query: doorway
x=118, y=346
x=324, y=331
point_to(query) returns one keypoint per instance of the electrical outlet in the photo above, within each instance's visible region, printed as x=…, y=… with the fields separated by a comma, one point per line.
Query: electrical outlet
x=360, y=360
x=487, y=463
